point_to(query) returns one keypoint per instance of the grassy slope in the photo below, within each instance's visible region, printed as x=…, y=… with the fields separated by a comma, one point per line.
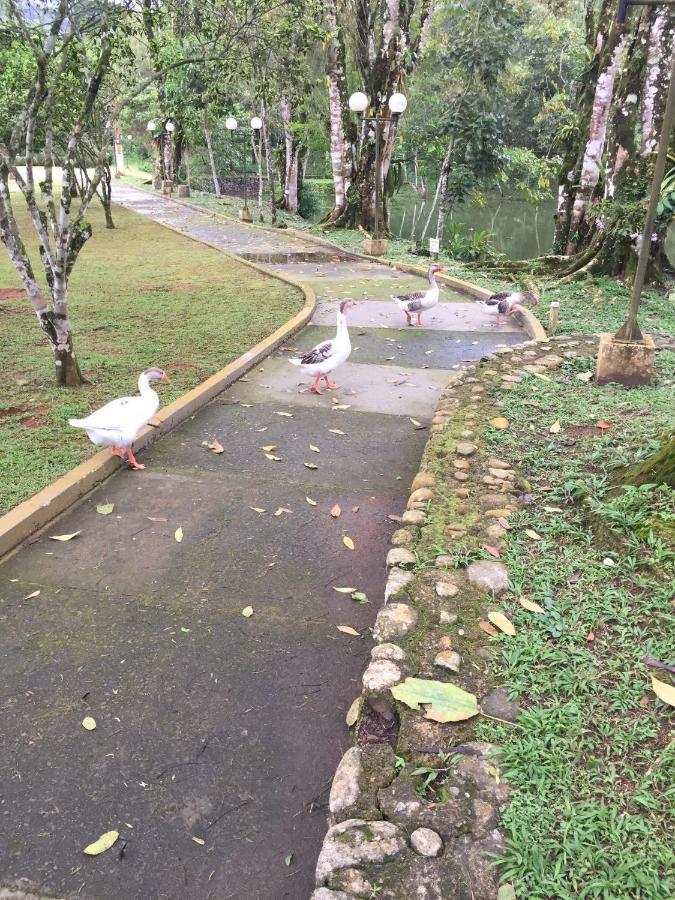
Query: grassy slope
x=140, y=295
x=593, y=761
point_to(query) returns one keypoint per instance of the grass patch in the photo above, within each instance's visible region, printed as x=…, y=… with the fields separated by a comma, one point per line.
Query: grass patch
x=140, y=295
x=592, y=765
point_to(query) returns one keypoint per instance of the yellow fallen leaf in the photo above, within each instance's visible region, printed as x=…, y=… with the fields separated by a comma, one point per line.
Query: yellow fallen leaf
x=335, y=431
x=30, y=596
x=310, y=466
x=89, y=723
x=533, y=534
x=269, y=447
x=540, y=376
x=345, y=590
x=104, y=843
x=257, y=509
x=415, y=422
x=64, y=537
x=530, y=605
x=663, y=691
x=178, y=534
x=315, y=449
x=282, y=509
x=500, y=422
x=500, y=620
x=348, y=542
x=555, y=428
x=285, y=414
x=336, y=511
x=353, y=712
x=273, y=458
x=198, y=840
x=247, y=612
x=217, y=447
x=347, y=629
x=342, y=406
x=310, y=501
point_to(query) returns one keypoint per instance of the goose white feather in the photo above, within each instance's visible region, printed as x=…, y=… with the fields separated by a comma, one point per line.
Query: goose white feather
x=327, y=356
x=420, y=301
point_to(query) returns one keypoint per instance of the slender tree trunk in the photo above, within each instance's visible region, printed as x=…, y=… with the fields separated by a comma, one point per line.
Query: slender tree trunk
x=445, y=199
x=105, y=196
x=119, y=151
x=209, y=149
x=342, y=130
x=257, y=152
x=293, y=150
x=268, y=162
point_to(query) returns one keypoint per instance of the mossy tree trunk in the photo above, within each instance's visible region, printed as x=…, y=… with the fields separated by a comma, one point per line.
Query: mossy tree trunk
x=659, y=468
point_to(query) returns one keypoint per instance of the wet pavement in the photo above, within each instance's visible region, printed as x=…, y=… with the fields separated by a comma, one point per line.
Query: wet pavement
x=211, y=725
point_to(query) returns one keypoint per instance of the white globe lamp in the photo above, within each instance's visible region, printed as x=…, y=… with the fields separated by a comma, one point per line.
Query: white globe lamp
x=151, y=126
x=231, y=123
x=398, y=103
x=170, y=126
x=256, y=123
x=358, y=102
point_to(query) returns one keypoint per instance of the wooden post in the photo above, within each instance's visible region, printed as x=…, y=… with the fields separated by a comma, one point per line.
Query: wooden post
x=553, y=317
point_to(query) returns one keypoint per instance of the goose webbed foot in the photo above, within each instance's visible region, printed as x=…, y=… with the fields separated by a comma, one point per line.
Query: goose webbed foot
x=133, y=462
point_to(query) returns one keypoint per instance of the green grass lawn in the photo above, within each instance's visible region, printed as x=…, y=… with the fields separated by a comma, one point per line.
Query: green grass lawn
x=592, y=762
x=140, y=295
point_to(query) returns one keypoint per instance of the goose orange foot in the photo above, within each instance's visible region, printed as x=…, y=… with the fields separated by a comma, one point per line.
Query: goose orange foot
x=315, y=386
x=330, y=384
x=117, y=451
x=133, y=462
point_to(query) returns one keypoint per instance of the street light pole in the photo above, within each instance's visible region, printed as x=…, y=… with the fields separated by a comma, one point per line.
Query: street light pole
x=232, y=126
x=359, y=103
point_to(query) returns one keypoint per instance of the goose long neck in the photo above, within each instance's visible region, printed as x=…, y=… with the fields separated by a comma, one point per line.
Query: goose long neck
x=144, y=386
x=432, y=278
x=341, y=323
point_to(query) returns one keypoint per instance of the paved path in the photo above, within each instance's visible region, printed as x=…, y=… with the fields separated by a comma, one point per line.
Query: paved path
x=212, y=725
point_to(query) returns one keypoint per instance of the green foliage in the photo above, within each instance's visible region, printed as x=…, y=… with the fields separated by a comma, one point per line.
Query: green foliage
x=527, y=174
x=466, y=244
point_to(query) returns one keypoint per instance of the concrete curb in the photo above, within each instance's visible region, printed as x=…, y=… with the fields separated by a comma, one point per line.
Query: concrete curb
x=525, y=318
x=36, y=512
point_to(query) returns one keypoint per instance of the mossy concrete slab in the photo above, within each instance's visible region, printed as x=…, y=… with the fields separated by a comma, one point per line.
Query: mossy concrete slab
x=444, y=317
x=419, y=347
x=367, y=388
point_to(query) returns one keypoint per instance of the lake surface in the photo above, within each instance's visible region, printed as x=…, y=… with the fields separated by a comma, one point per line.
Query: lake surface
x=519, y=229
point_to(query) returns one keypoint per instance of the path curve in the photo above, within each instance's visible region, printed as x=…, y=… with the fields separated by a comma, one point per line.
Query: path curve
x=210, y=724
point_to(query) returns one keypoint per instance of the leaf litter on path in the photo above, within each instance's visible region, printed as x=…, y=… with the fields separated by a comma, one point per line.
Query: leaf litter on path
x=347, y=629
x=64, y=537
x=103, y=843
x=104, y=509
x=445, y=702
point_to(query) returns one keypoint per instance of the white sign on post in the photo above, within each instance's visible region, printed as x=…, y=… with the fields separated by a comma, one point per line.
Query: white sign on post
x=434, y=245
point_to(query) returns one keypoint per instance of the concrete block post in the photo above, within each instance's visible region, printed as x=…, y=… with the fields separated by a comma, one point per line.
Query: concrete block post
x=625, y=362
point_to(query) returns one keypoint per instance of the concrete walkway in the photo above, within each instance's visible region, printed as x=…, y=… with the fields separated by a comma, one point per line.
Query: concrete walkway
x=211, y=725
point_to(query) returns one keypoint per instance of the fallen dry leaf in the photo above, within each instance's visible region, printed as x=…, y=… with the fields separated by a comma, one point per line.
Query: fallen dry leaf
x=492, y=551
x=335, y=431
x=344, y=590
x=500, y=422
x=416, y=423
x=64, y=537
x=487, y=628
x=603, y=424
x=30, y=596
x=663, y=691
x=310, y=501
x=348, y=542
x=286, y=415
x=314, y=449
x=178, y=534
x=342, y=406
x=530, y=605
x=590, y=637
x=272, y=457
x=216, y=446
x=281, y=510
x=247, y=612
x=347, y=629
x=336, y=511
x=156, y=519
x=555, y=428
x=394, y=518
x=533, y=535
x=105, y=509
x=198, y=840
x=268, y=448
x=504, y=624
x=657, y=664
x=353, y=712
x=88, y=723
x=257, y=509
x=310, y=466
x=504, y=523
x=104, y=843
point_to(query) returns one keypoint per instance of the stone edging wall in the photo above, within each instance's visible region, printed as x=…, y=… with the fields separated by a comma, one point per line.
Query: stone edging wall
x=388, y=838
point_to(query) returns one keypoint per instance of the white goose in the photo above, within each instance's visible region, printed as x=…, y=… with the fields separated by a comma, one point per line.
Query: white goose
x=419, y=301
x=117, y=423
x=325, y=357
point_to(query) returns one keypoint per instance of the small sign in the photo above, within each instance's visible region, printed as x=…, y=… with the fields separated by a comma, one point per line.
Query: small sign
x=434, y=245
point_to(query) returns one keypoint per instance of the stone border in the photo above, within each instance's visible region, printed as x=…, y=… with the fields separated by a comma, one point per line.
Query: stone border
x=525, y=317
x=386, y=837
x=39, y=510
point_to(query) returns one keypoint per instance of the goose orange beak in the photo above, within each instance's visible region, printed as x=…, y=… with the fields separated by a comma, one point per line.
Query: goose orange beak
x=165, y=379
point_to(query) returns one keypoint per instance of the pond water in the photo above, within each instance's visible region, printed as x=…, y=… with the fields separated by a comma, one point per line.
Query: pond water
x=517, y=228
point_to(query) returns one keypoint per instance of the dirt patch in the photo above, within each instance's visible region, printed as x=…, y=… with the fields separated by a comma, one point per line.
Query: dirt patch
x=31, y=422
x=180, y=367
x=11, y=411
x=583, y=431
x=11, y=294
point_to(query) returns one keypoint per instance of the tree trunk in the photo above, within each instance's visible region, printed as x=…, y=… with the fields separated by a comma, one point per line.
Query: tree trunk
x=257, y=153
x=342, y=129
x=445, y=200
x=119, y=151
x=209, y=150
x=105, y=197
x=293, y=148
x=268, y=162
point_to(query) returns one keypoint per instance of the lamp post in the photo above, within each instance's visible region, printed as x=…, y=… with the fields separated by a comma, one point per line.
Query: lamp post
x=232, y=126
x=359, y=103
x=628, y=356
x=164, y=178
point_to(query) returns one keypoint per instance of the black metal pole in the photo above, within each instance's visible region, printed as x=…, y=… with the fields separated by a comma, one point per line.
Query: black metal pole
x=377, y=177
